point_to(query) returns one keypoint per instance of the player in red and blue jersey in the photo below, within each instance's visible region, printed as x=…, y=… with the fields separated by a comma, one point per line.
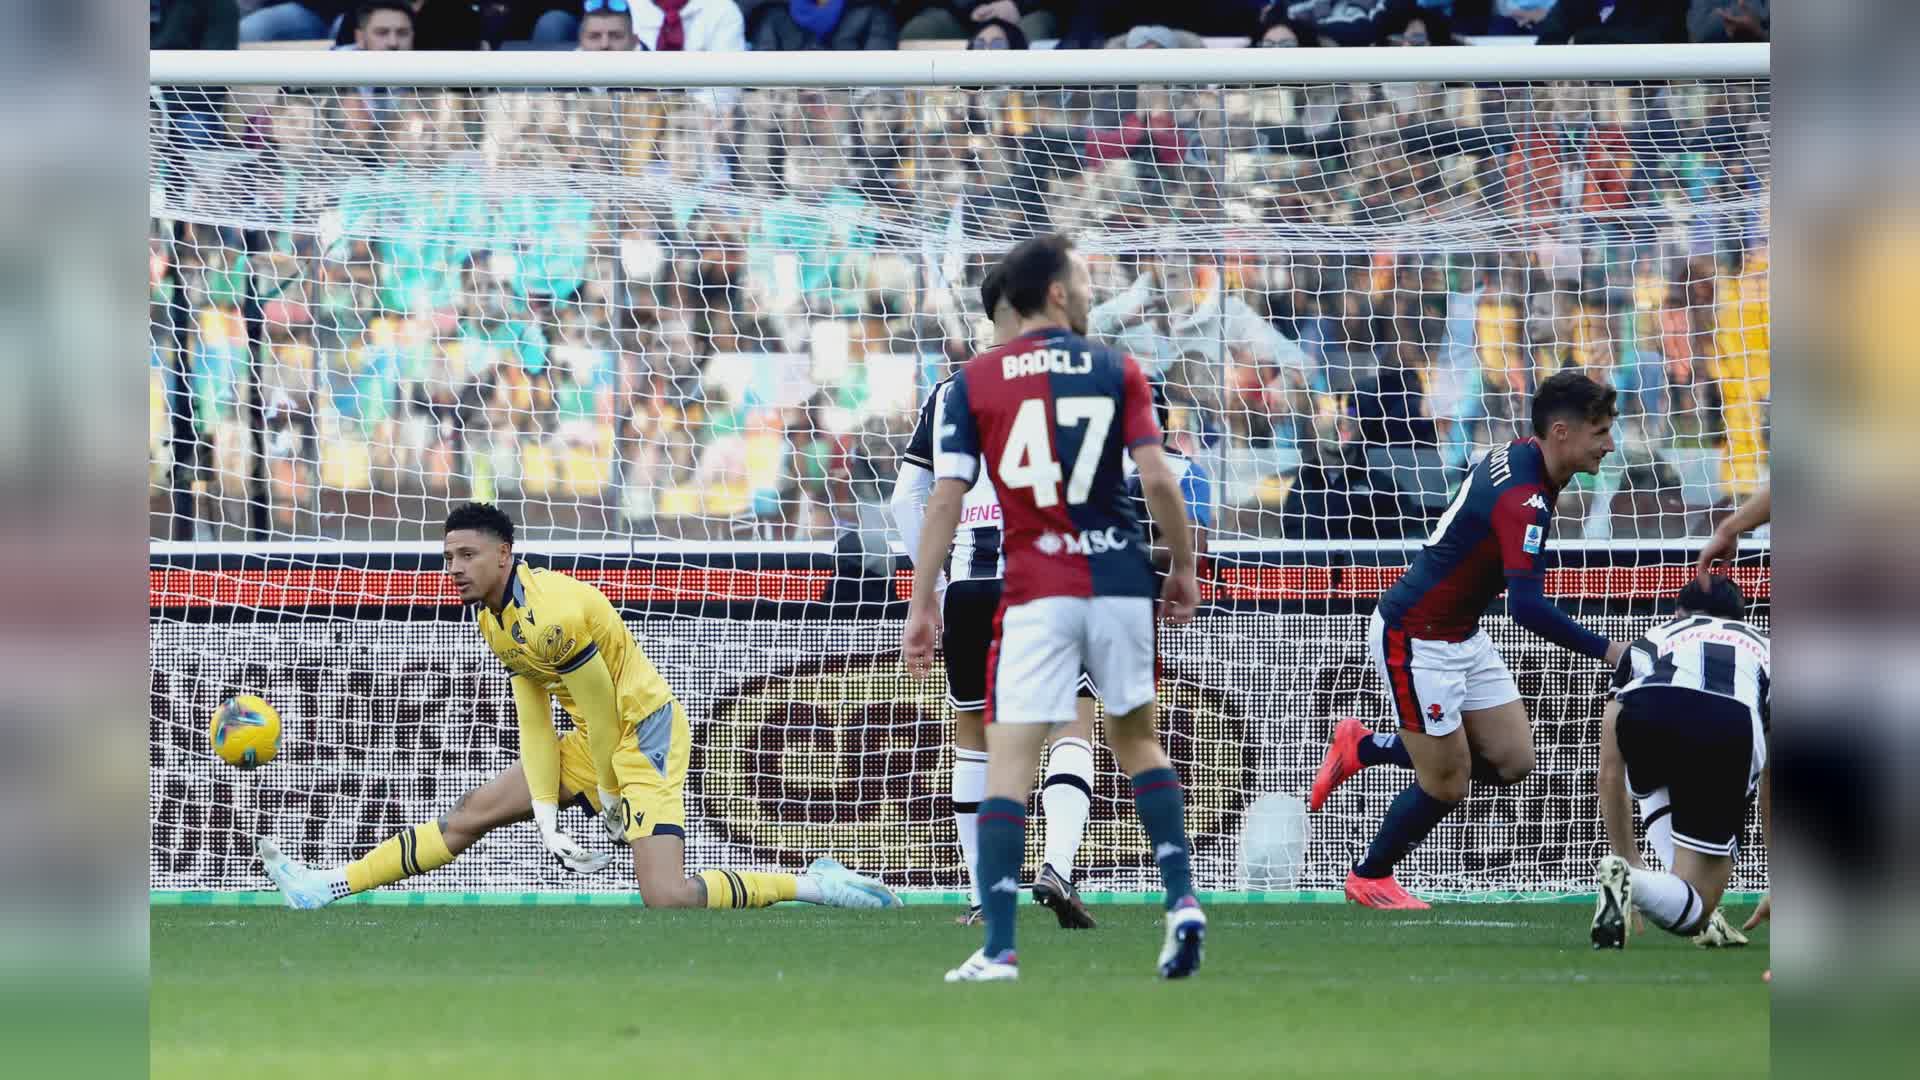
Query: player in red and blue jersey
x=1050, y=414
x=1459, y=711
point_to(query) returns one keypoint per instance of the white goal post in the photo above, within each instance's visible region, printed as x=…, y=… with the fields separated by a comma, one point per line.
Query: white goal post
x=679, y=329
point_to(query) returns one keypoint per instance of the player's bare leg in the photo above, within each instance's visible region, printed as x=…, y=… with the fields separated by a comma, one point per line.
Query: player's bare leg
x=495, y=804
x=1161, y=804
x=418, y=849
x=1442, y=766
x=969, y=787
x=1501, y=742
x=1500, y=738
x=1066, y=798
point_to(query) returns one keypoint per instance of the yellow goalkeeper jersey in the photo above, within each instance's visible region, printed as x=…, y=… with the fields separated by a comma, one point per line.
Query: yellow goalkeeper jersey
x=554, y=625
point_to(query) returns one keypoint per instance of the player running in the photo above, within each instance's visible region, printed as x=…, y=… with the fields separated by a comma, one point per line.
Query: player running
x=1686, y=733
x=1051, y=414
x=971, y=597
x=1460, y=713
x=626, y=758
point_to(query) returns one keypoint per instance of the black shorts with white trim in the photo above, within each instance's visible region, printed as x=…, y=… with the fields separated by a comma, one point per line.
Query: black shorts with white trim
x=966, y=638
x=1700, y=748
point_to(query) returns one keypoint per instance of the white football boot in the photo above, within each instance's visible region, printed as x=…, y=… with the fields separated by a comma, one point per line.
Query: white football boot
x=1186, y=934
x=841, y=887
x=302, y=888
x=980, y=969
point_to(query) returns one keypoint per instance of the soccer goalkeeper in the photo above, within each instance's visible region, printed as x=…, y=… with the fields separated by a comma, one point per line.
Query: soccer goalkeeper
x=626, y=757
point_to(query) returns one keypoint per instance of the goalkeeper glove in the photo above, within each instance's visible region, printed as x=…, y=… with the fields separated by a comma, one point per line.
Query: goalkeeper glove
x=561, y=846
x=614, y=814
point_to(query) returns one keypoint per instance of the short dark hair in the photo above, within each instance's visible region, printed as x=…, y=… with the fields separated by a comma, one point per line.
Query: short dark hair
x=482, y=517
x=1715, y=595
x=1571, y=394
x=993, y=286
x=1276, y=15
x=368, y=8
x=1032, y=267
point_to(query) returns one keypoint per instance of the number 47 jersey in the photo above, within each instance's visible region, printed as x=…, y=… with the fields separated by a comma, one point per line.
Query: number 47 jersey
x=1050, y=415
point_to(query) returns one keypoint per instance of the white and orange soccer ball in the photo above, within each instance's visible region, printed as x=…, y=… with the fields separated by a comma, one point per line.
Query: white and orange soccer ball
x=245, y=731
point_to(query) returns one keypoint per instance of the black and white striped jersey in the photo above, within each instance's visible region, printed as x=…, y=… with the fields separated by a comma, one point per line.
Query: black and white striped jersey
x=1725, y=657
x=977, y=553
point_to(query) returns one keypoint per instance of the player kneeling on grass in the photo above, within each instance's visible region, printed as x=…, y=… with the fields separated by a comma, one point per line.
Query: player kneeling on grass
x=1686, y=733
x=626, y=757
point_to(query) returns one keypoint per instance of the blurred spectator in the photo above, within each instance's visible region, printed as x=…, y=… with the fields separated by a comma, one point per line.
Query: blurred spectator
x=295, y=20
x=951, y=19
x=607, y=27
x=543, y=22
x=997, y=34
x=1277, y=30
x=1419, y=26
x=689, y=25
x=795, y=25
x=1509, y=16
x=1613, y=22
x=1730, y=20
x=1331, y=497
x=192, y=24
x=1350, y=22
x=437, y=25
x=381, y=26
x=1391, y=406
x=1158, y=37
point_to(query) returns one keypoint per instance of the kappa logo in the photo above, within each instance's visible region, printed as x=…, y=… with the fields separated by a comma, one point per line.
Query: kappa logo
x=1167, y=851
x=1535, y=501
x=1006, y=885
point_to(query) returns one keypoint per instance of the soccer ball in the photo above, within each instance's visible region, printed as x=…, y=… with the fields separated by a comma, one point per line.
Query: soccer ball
x=1273, y=842
x=245, y=732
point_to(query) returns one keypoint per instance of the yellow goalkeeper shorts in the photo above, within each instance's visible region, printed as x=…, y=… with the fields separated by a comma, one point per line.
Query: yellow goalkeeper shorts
x=651, y=766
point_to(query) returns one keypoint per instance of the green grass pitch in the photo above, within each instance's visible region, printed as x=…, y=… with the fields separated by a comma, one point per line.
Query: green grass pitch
x=1468, y=990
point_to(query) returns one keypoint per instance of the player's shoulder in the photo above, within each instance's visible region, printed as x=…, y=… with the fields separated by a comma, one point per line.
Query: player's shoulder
x=562, y=596
x=1515, y=473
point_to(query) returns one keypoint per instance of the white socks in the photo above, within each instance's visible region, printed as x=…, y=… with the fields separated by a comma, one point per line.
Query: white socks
x=969, y=787
x=1066, y=799
x=1657, y=811
x=806, y=889
x=1670, y=902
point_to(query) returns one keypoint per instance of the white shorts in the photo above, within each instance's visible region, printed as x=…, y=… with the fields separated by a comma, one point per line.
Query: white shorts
x=1042, y=646
x=1430, y=683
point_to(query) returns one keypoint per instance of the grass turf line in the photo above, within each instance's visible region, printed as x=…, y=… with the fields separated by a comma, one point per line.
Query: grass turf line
x=1309, y=990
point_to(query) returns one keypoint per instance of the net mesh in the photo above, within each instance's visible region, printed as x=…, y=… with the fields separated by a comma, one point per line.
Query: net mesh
x=692, y=327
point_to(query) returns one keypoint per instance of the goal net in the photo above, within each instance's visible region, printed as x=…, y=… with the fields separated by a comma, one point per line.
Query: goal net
x=680, y=334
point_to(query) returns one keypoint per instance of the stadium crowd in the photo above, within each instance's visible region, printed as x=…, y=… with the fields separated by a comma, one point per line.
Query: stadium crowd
x=712, y=314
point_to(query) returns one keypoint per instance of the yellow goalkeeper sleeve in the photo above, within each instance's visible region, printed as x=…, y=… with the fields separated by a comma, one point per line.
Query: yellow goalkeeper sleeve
x=539, y=743
x=597, y=707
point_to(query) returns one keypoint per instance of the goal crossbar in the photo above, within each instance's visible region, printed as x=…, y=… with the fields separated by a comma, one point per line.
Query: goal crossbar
x=1069, y=67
